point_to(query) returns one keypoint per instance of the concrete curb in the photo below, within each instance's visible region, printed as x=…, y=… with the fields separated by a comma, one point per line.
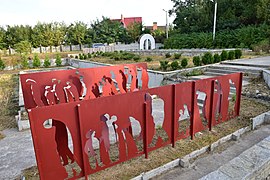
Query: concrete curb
x=185, y=161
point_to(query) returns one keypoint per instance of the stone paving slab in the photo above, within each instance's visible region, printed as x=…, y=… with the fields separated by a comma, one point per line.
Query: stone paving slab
x=247, y=164
x=259, y=62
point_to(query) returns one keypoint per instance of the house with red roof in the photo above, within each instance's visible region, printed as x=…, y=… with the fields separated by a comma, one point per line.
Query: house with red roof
x=126, y=21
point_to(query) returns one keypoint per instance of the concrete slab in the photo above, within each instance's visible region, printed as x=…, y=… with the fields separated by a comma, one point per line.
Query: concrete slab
x=255, y=62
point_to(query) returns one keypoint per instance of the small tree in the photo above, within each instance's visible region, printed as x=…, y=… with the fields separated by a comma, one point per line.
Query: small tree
x=168, y=55
x=58, y=60
x=217, y=58
x=197, y=61
x=231, y=55
x=36, y=61
x=164, y=65
x=175, y=65
x=238, y=54
x=184, y=62
x=177, y=56
x=23, y=47
x=2, y=64
x=47, y=62
x=24, y=62
x=207, y=58
x=224, y=55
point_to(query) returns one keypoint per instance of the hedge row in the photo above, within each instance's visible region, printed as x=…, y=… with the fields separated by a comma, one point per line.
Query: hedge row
x=246, y=37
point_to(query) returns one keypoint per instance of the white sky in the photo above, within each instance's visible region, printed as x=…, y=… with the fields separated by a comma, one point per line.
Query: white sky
x=31, y=11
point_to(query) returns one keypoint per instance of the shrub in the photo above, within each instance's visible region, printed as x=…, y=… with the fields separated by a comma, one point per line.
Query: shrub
x=47, y=62
x=24, y=62
x=207, y=58
x=136, y=58
x=58, y=60
x=85, y=56
x=76, y=57
x=217, y=58
x=148, y=59
x=184, y=62
x=117, y=57
x=177, y=56
x=238, y=53
x=36, y=61
x=164, y=65
x=224, y=55
x=175, y=65
x=197, y=61
x=89, y=55
x=231, y=55
x=2, y=64
x=195, y=72
x=167, y=55
x=81, y=56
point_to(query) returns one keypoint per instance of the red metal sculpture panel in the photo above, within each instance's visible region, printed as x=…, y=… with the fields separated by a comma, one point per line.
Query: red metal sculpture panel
x=110, y=130
x=50, y=88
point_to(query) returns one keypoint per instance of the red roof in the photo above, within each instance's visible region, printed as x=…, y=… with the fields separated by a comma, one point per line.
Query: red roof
x=129, y=20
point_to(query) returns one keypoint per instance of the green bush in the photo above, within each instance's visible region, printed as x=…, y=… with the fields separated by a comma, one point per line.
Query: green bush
x=238, y=53
x=81, y=56
x=177, y=56
x=136, y=58
x=148, y=59
x=2, y=64
x=85, y=56
x=89, y=55
x=197, y=61
x=207, y=58
x=117, y=57
x=184, y=62
x=24, y=62
x=224, y=55
x=47, y=62
x=217, y=58
x=175, y=65
x=58, y=60
x=164, y=65
x=168, y=55
x=244, y=37
x=231, y=55
x=36, y=61
x=76, y=57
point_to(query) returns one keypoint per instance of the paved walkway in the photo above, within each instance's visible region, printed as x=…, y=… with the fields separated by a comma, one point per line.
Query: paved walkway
x=17, y=153
x=259, y=62
x=213, y=161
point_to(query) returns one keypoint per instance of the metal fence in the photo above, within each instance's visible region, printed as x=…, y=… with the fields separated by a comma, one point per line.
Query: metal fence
x=110, y=114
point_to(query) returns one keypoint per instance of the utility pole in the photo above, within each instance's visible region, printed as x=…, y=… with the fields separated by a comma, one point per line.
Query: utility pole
x=167, y=29
x=215, y=21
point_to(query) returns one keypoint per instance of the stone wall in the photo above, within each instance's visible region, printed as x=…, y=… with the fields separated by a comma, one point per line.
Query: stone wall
x=266, y=77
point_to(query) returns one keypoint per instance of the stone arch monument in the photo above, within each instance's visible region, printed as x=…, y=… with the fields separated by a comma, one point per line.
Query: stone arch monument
x=146, y=40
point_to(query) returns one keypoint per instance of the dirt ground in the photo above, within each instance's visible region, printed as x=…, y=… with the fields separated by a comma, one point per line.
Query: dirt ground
x=249, y=108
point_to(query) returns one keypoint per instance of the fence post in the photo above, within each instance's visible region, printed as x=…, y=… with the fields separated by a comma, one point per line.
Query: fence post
x=192, y=120
x=174, y=128
x=145, y=139
x=212, y=91
x=239, y=94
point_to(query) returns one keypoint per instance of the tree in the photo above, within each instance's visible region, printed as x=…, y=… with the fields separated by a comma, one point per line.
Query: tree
x=59, y=32
x=2, y=38
x=43, y=35
x=58, y=60
x=134, y=30
x=107, y=31
x=47, y=62
x=36, y=61
x=263, y=10
x=23, y=47
x=76, y=33
x=16, y=34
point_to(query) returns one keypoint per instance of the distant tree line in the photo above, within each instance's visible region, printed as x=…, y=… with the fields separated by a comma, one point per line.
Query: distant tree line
x=22, y=37
x=246, y=19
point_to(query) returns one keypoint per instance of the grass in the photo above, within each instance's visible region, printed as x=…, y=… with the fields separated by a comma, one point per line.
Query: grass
x=8, y=100
x=136, y=166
